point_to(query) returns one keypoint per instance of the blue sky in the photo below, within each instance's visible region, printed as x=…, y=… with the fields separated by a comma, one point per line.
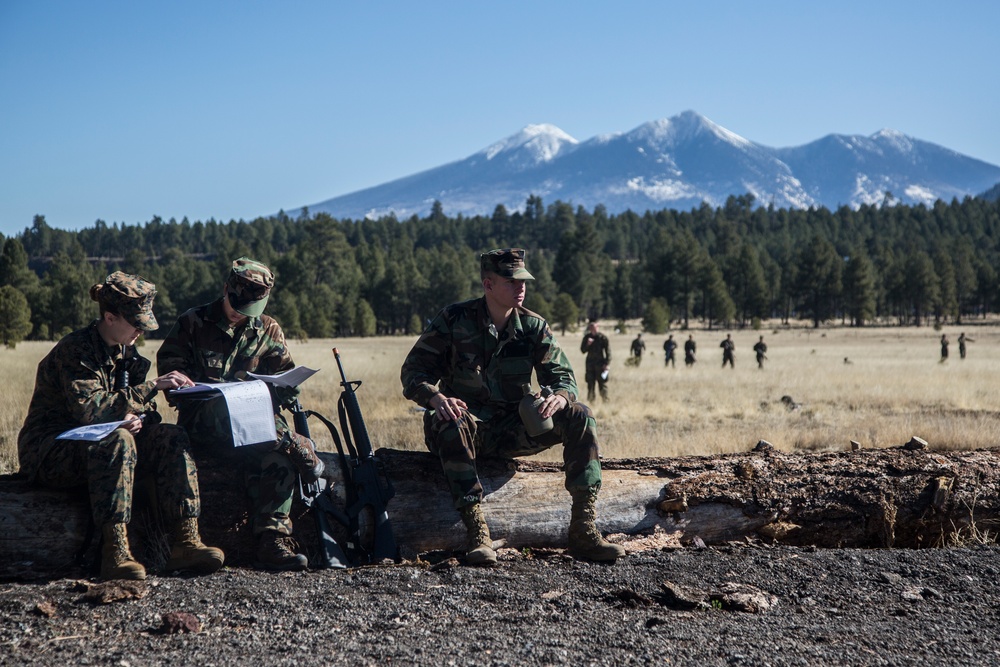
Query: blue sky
x=124, y=110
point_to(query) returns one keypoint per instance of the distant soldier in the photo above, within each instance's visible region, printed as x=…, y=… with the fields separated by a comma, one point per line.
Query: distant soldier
x=598, y=350
x=962, y=340
x=728, y=350
x=689, y=349
x=944, y=348
x=638, y=347
x=761, y=349
x=669, y=345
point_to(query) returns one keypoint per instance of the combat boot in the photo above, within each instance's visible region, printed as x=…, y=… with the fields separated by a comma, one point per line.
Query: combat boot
x=187, y=551
x=275, y=553
x=116, y=558
x=479, y=545
x=585, y=541
x=302, y=453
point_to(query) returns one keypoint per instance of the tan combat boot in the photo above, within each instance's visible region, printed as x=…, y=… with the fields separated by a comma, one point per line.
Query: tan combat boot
x=585, y=541
x=116, y=558
x=479, y=546
x=275, y=552
x=187, y=551
x=302, y=453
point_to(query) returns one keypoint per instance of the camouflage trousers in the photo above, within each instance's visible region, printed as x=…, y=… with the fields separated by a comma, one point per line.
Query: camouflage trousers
x=458, y=443
x=110, y=468
x=271, y=483
x=269, y=475
x=592, y=376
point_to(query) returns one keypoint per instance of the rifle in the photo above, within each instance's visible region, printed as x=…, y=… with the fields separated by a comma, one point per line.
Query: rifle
x=364, y=488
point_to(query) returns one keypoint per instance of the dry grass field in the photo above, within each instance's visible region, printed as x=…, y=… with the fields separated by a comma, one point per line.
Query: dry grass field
x=893, y=388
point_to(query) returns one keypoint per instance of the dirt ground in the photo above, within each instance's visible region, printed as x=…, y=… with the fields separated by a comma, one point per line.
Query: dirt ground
x=739, y=604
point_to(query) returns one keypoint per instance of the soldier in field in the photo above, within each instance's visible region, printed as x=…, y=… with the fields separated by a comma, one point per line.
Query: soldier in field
x=760, y=348
x=669, y=347
x=690, y=347
x=728, y=351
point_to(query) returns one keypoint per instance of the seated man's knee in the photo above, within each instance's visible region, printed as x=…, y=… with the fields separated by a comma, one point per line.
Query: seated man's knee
x=578, y=412
x=115, y=452
x=444, y=436
x=120, y=443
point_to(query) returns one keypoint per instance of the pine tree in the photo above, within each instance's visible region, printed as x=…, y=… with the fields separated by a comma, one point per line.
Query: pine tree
x=365, y=323
x=819, y=279
x=15, y=316
x=859, y=289
x=657, y=317
x=565, y=312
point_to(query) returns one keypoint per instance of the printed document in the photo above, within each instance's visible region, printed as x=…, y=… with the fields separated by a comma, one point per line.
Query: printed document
x=251, y=413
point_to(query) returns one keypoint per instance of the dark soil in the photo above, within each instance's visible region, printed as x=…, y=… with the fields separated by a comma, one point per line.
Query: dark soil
x=801, y=606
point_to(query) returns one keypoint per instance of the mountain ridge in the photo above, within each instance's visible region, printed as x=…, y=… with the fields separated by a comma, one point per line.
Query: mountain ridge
x=678, y=162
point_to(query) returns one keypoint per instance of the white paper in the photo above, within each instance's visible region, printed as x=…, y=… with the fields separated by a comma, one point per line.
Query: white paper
x=290, y=378
x=91, y=432
x=251, y=413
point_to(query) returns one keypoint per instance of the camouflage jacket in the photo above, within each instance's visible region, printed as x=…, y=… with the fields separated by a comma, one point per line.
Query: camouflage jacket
x=461, y=354
x=75, y=385
x=203, y=346
x=598, y=351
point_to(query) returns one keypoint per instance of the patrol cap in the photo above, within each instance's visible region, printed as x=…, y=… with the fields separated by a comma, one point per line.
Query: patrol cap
x=506, y=263
x=129, y=296
x=249, y=284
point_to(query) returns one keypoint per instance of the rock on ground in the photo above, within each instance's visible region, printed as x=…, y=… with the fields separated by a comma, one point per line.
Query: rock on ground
x=807, y=607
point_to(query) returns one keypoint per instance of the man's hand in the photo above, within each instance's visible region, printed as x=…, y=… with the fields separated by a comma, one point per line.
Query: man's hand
x=447, y=409
x=552, y=405
x=133, y=423
x=173, y=380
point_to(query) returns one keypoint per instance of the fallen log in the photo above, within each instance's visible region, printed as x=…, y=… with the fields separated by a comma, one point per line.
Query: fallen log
x=897, y=497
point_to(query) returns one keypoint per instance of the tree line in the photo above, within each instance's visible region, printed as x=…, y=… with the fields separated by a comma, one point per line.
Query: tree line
x=732, y=265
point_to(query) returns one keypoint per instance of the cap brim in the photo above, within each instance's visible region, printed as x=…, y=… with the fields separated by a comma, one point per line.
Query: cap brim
x=522, y=274
x=146, y=322
x=253, y=309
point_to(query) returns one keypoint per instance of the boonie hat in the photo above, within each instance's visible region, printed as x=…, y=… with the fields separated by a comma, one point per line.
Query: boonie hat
x=506, y=263
x=130, y=296
x=249, y=284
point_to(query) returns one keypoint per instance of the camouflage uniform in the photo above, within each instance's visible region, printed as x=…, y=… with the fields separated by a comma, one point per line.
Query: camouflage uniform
x=637, y=348
x=203, y=345
x=690, y=347
x=728, y=352
x=761, y=349
x=463, y=354
x=669, y=346
x=75, y=385
x=598, y=353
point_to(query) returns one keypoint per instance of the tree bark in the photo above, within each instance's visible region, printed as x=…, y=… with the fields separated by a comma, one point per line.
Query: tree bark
x=894, y=497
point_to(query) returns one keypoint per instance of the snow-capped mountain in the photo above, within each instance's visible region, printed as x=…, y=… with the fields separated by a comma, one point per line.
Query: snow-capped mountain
x=676, y=163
